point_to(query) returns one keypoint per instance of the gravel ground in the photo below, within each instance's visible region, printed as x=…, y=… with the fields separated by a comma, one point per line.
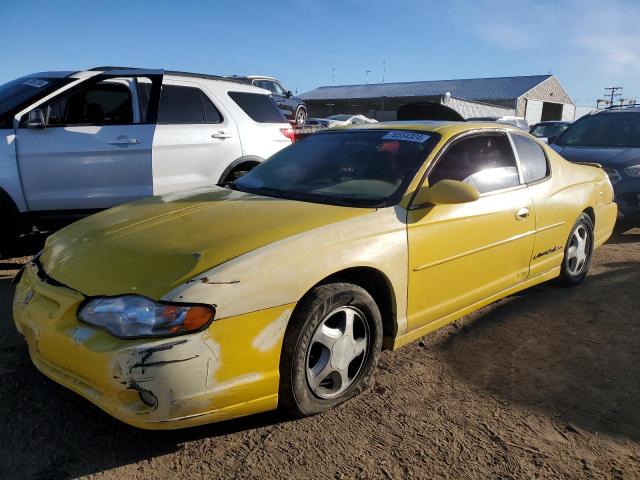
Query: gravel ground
x=543, y=384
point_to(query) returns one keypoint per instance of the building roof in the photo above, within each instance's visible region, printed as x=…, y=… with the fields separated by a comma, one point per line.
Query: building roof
x=496, y=88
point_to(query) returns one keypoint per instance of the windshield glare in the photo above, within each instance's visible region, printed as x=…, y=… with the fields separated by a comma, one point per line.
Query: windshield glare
x=340, y=118
x=615, y=129
x=549, y=130
x=366, y=168
x=18, y=93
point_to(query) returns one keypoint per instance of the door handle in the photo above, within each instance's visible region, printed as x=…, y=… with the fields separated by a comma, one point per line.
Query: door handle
x=124, y=141
x=522, y=214
x=221, y=135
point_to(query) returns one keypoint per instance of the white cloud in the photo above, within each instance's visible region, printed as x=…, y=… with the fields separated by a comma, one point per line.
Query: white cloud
x=590, y=41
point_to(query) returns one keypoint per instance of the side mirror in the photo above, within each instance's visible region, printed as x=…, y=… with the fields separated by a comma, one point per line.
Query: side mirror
x=35, y=119
x=446, y=192
x=552, y=140
x=289, y=94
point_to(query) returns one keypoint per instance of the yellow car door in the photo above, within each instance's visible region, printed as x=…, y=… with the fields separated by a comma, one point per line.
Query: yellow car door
x=464, y=253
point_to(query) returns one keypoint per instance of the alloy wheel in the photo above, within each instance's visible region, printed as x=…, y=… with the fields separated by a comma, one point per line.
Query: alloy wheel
x=579, y=250
x=337, y=352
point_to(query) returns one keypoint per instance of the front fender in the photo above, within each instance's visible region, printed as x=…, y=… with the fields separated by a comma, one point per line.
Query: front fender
x=282, y=272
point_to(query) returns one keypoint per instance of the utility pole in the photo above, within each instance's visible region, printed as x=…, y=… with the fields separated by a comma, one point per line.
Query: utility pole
x=613, y=93
x=367, y=72
x=384, y=69
x=333, y=75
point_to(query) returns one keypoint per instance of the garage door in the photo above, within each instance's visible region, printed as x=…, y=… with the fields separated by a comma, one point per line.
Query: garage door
x=568, y=113
x=533, y=111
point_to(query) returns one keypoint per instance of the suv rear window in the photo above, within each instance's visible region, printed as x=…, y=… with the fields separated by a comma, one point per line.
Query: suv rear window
x=259, y=107
x=186, y=105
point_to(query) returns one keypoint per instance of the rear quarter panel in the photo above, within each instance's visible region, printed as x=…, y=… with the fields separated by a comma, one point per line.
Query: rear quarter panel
x=560, y=200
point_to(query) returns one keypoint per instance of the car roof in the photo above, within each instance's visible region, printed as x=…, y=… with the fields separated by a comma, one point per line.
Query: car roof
x=444, y=127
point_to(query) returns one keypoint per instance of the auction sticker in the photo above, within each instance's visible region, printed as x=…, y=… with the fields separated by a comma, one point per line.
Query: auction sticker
x=405, y=136
x=35, y=82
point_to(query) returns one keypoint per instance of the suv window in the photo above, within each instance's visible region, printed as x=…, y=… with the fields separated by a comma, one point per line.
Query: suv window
x=609, y=129
x=259, y=107
x=267, y=85
x=532, y=158
x=484, y=161
x=279, y=89
x=105, y=103
x=186, y=105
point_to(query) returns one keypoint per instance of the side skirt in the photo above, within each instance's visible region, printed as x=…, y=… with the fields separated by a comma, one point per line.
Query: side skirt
x=393, y=344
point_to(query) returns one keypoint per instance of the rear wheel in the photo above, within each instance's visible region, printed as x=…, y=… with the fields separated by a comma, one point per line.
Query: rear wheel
x=330, y=349
x=577, y=252
x=301, y=117
x=237, y=172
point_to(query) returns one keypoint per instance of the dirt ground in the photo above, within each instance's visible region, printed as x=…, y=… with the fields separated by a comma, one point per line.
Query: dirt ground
x=543, y=384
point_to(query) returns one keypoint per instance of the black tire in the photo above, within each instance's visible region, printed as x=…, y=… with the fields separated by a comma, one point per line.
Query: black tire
x=296, y=397
x=237, y=172
x=573, y=273
x=9, y=235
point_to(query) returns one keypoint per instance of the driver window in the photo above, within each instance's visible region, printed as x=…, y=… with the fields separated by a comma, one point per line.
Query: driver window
x=108, y=102
x=484, y=161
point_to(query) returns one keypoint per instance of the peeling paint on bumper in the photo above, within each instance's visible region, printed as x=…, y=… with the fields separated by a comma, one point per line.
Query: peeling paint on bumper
x=227, y=371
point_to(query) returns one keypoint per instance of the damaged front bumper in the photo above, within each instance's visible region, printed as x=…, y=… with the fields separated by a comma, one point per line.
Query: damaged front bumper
x=226, y=371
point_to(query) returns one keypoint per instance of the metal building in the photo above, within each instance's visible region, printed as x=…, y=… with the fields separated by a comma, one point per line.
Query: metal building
x=535, y=97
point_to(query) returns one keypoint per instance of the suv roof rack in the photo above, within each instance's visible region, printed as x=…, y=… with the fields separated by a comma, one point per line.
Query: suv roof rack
x=110, y=68
x=623, y=107
x=202, y=75
x=107, y=68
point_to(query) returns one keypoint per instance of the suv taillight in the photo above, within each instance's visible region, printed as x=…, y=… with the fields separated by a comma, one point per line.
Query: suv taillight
x=289, y=133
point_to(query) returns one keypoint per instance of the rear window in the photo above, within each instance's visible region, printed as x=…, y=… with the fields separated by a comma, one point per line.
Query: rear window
x=186, y=105
x=259, y=107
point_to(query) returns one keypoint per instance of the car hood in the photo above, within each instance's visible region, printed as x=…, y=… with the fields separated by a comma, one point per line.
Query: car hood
x=151, y=246
x=607, y=157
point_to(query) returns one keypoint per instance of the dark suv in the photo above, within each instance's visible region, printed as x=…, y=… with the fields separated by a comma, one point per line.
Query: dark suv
x=611, y=138
x=293, y=107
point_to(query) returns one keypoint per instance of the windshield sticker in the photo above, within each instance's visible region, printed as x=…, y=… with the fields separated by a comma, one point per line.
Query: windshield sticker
x=404, y=136
x=35, y=82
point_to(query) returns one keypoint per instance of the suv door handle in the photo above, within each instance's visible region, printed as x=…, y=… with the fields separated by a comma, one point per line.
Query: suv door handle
x=124, y=141
x=221, y=135
x=522, y=214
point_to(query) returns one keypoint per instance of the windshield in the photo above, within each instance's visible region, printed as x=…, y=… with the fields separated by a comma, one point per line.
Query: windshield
x=361, y=168
x=615, y=129
x=549, y=130
x=19, y=93
x=340, y=118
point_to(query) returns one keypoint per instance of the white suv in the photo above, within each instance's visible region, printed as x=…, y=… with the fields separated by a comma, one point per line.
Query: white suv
x=89, y=140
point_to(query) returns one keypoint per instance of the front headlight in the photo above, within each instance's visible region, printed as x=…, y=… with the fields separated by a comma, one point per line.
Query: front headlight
x=137, y=316
x=633, y=171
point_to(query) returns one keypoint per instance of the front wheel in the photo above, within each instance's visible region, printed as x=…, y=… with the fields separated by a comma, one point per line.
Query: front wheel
x=330, y=349
x=577, y=252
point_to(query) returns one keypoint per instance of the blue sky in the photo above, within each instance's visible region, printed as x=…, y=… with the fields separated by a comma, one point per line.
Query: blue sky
x=588, y=44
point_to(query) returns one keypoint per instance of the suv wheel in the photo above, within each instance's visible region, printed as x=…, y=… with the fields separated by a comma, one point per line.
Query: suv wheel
x=330, y=349
x=301, y=117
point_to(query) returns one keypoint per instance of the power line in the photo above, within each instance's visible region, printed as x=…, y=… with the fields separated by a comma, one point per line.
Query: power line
x=613, y=93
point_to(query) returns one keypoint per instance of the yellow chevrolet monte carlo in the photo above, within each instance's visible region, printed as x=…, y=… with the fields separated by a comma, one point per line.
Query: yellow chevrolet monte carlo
x=282, y=288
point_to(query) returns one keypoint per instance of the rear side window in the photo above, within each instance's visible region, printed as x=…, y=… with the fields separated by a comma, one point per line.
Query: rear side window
x=261, y=108
x=485, y=161
x=532, y=158
x=186, y=105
